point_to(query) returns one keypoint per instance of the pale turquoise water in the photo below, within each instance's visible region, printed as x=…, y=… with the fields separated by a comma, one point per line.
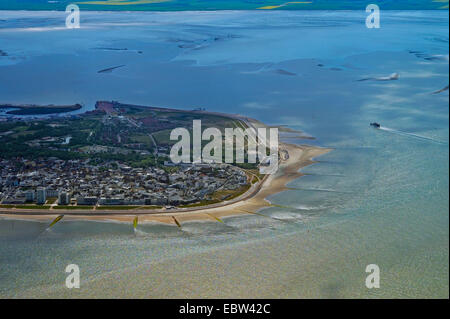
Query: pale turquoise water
x=379, y=197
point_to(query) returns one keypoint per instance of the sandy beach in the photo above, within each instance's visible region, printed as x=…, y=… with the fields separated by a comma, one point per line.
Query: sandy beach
x=248, y=203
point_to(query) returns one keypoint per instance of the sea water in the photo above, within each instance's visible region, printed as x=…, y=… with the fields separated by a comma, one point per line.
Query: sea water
x=379, y=197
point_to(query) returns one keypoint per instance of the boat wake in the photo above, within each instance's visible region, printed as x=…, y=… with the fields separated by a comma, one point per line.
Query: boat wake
x=417, y=136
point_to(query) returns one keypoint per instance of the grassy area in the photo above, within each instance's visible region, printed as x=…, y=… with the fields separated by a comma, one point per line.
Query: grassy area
x=150, y=207
x=141, y=138
x=217, y=197
x=118, y=207
x=240, y=191
x=221, y=194
x=6, y=206
x=163, y=137
x=51, y=200
x=73, y=207
x=98, y=133
x=122, y=207
x=111, y=207
x=25, y=206
x=23, y=133
x=201, y=203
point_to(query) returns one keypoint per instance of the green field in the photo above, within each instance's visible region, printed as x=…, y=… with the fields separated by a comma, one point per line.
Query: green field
x=74, y=207
x=25, y=206
x=122, y=207
x=121, y=132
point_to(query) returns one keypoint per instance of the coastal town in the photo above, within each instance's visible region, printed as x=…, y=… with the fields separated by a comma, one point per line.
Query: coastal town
x=114, y=156
x=75, y=183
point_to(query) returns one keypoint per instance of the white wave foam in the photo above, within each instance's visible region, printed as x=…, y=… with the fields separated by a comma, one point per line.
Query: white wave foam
x=286, y=216
x=308, y=207
x=425, y=138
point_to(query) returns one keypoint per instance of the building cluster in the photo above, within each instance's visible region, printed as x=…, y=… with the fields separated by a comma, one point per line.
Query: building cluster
x=78, y=182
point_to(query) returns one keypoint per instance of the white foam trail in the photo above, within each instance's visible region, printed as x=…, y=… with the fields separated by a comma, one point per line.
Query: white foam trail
x=387, y=129
x=318, y=189
x=307, y=207
x=285, y=216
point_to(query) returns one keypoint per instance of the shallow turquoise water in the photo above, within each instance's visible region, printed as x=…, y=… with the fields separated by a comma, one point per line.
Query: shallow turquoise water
x=381, y=196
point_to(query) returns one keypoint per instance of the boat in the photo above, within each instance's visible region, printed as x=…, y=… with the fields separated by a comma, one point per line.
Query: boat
x=375, y=124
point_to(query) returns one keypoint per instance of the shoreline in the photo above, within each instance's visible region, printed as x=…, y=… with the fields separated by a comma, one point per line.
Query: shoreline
x=247, y=203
